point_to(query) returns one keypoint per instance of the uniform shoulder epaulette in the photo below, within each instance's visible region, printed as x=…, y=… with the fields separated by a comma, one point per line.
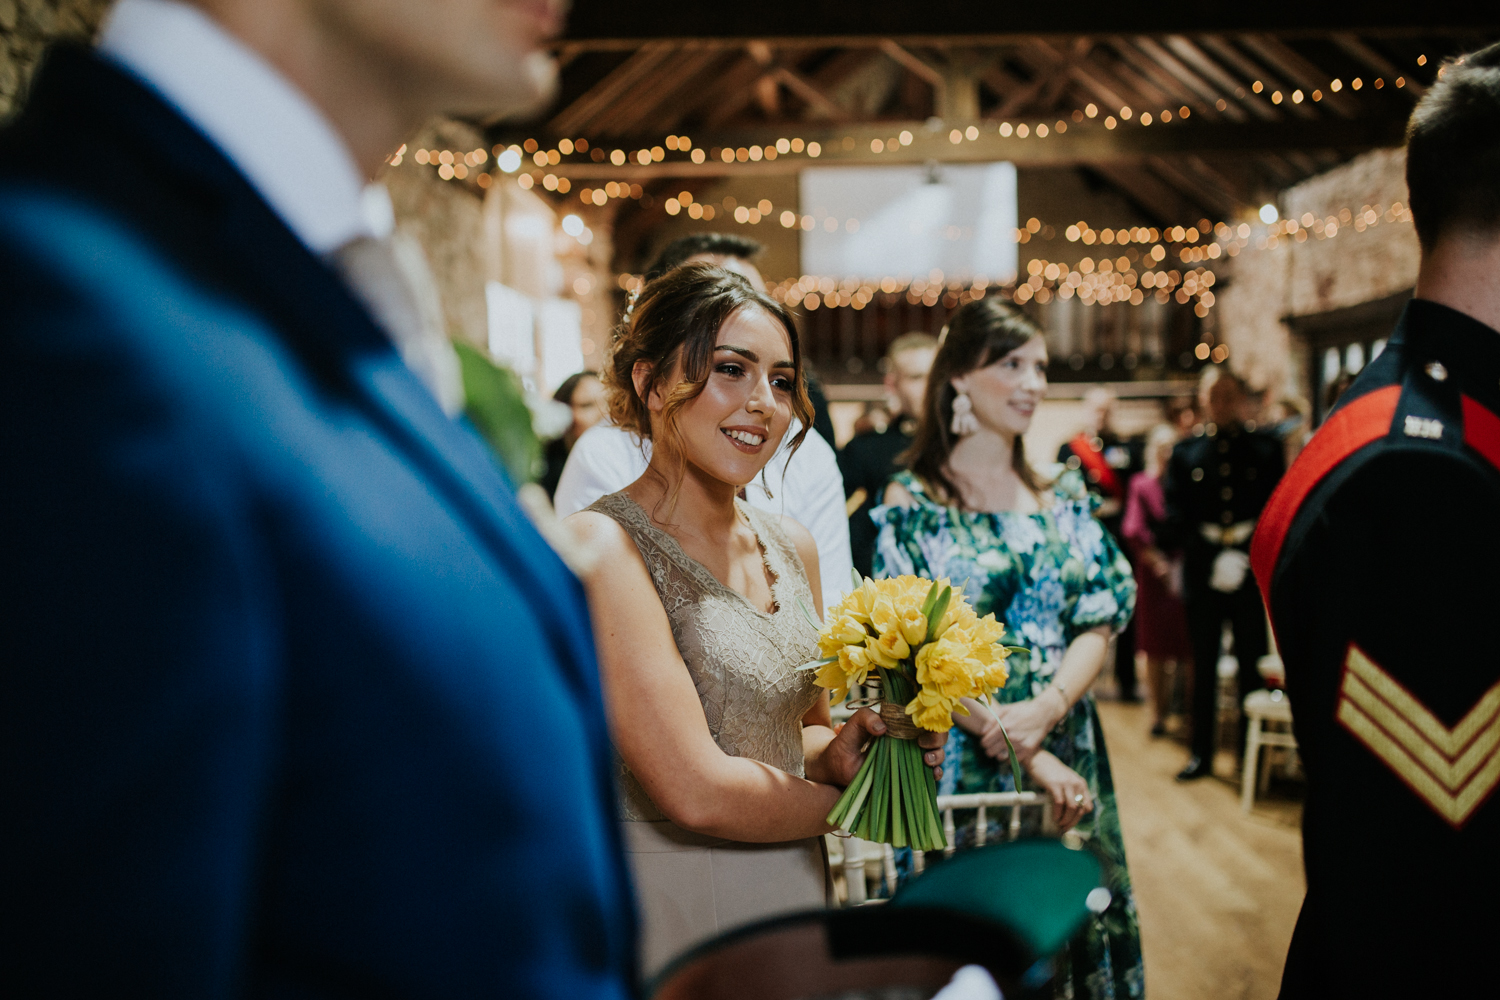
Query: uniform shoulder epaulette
x=1362, y=422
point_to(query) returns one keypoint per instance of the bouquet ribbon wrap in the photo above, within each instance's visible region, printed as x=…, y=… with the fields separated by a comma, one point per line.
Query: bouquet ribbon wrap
x=898, y=724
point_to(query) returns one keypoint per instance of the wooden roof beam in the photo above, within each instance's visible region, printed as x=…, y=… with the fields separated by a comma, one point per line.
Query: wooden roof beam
x=1249, y=72
x=1221, y=203
x=1379, y=63
x=576, y=117
x=1171, y=90
x=812, y=96
x=1206, y=94
x=1161, y=201
x=1302, y=72
x=1231, y=88
x=632, y=112
x=1202, y=168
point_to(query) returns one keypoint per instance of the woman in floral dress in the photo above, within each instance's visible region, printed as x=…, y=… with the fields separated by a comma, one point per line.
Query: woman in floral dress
x=972, y=510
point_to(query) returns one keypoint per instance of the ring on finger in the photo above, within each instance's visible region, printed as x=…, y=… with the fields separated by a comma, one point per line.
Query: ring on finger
x=1078, y=799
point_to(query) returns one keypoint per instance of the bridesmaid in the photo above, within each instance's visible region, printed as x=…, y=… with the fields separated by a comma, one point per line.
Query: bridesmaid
x=729, y=759
x=971, y=509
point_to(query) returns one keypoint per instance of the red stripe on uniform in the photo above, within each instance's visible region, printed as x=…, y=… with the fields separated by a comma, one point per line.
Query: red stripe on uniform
x=1366, y=419
x=1482, y=431
x=1095, y=462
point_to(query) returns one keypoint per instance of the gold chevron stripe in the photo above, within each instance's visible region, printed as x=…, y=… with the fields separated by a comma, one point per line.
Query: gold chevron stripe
x=1452, y=773
x=1456, y=809
x=1452, y=770
x=1449, y=741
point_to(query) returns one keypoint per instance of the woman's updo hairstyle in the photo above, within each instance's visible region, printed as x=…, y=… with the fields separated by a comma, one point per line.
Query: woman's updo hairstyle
x=979, y=334
x=674, y=328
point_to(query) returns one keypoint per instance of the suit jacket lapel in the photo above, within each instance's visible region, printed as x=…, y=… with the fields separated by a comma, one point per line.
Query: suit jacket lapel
x=321, y=319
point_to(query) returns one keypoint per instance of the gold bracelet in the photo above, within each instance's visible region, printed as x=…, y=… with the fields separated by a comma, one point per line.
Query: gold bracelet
x=1062, y=692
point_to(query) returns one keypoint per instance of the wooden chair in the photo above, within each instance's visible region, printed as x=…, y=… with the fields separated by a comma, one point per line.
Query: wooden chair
x=1263, y=708
x=984, y=802
x=856, y=856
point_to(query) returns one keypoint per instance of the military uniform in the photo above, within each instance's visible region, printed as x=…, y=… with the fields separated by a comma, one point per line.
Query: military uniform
x=1107, y=462
x=1215, y=486
x=868, y=462
x=1380, y=561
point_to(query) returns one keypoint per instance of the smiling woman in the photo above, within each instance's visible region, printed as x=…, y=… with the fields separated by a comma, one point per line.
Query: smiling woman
x=702, y=330
x=700, y=601
x=971, y=509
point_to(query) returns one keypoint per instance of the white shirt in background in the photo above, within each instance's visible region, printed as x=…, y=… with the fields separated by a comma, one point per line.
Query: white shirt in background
x=607, y=459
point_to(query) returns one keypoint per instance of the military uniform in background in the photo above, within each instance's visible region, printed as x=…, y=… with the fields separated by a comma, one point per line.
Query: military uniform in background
x=1107, y=462
x=868, y=462
x=1380, y=560
x=1216, y=484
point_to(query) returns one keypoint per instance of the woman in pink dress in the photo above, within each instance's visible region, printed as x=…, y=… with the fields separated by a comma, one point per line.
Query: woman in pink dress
x=1161, y=625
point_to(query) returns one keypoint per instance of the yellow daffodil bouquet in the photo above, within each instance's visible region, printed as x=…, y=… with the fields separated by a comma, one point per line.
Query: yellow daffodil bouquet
x=926, y=648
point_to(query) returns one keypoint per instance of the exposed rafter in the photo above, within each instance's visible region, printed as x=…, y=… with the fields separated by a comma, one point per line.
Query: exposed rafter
x=854, y=92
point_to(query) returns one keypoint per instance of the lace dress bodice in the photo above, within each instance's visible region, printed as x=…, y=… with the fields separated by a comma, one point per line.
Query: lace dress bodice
x=743, y=661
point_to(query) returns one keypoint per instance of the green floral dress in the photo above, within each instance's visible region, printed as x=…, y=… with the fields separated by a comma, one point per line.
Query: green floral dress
x=1050, y=576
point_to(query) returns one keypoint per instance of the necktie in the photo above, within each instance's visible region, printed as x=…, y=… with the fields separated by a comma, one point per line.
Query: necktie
x=391, y=278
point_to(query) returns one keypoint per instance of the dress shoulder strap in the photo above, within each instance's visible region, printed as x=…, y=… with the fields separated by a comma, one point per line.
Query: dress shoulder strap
x=662, y=553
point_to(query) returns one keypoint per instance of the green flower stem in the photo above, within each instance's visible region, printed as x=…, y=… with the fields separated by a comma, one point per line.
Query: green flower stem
x=846, y=809
x=893, y=798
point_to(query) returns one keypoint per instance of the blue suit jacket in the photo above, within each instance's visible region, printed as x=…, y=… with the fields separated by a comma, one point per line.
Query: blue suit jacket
x=295, y=701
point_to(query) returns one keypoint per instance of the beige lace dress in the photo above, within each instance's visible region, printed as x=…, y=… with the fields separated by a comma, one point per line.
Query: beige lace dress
x=744, y=664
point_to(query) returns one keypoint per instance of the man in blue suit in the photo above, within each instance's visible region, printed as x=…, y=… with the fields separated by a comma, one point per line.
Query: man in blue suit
x=295, y=701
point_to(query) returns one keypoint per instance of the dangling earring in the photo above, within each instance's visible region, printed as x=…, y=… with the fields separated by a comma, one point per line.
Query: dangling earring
x=964, y=421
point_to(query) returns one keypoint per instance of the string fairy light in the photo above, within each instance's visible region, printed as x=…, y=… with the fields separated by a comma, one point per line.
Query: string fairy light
x=458, y=165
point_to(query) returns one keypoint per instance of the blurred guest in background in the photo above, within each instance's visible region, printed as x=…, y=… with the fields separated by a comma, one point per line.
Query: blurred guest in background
x=1290, y=420
x=262, y=731
x=1182, y=413
x=1107, y=462
x=869, y=460
x=803, y=484
x=582, y=393
x=1216, y=484
x=1161, y=625
x=1334, y=391
x=971, y=509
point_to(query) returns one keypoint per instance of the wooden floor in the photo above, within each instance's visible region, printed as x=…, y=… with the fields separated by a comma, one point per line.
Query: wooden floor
x=1218, y=891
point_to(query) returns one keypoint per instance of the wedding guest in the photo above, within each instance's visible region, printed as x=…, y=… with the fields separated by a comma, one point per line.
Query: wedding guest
x=973, y=510
x=730, y=762
x=868, y=461
x=263, y=731
x=737, y=253
x=1161, y=625
x=1377, y=556
x=1107, y=461
x=801, y=483
x=582, y=393
x=1216, y=484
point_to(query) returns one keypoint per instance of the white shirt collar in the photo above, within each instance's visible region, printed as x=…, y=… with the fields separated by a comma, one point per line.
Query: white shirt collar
x=278, y=139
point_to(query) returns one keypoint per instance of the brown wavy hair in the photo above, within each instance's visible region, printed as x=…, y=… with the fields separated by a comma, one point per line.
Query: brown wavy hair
x=979, y=334
x=674, y=328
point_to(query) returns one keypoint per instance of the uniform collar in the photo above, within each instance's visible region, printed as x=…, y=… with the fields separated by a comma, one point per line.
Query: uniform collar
x=279, y=140
x=1467, y=349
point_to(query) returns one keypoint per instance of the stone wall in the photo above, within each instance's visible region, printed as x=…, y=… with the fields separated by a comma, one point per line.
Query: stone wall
x=27, y=27
x=1313, y=272
x=447, y=218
